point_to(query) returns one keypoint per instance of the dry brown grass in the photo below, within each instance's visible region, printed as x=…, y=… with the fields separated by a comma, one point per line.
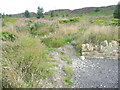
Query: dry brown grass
x=96, y=34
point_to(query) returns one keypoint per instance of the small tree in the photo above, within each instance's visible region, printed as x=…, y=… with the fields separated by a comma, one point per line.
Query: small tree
x=0, y=15
x=3, y=15
x=40, y=13
x=116, y=13
x=27, y=14
x=52, y=14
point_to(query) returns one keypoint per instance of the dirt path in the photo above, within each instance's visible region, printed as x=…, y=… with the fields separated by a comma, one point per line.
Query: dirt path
x=90, y=73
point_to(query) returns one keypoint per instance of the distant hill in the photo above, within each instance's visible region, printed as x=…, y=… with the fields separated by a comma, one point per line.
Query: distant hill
x=87, y=11
x=105, y=10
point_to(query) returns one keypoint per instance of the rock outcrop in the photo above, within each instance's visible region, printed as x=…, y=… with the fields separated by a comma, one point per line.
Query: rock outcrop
x=105, y=49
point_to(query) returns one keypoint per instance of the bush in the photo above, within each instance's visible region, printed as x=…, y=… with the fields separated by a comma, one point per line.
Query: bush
x=27, y=14
x=70, y=20
x=7, y=36
x=116, y=13
x=64, y=21
x=75, y=19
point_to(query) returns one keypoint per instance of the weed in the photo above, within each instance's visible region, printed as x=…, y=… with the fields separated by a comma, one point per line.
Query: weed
x=7, y=36
x=68, y=39
x=68, y=81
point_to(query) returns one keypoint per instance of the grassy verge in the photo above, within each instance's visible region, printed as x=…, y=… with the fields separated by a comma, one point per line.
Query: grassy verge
x=25, y=62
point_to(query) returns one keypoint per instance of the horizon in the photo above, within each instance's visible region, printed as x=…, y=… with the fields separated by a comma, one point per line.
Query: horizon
x=21, y=6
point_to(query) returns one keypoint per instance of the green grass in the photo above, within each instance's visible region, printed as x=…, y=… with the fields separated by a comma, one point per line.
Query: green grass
x=62, y=52
x=52, y=49
x=11, y=20
x=68, y=81
x=47, y=73
x=26, y=57
x=68, y=77
x=7, y=36
x=52, y=42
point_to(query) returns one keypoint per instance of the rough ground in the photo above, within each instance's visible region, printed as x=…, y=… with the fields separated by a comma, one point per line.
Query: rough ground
x=88, y=72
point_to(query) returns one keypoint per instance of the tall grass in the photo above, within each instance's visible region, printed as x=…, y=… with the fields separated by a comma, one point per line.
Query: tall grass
x=25, y=62
x=96, y=34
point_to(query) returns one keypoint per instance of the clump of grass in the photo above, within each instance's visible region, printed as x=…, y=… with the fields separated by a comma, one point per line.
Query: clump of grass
x=27, y=61
x=53, y=42
x=52, y=49
x=68, y=77
x=47, y=73
x=41, y=29
x=62, y=52
x=7, y=36
x=57, y=41
x=63, y=21
x=68, y=70
x=52, y=27
x=70, y=20
x=68, y=81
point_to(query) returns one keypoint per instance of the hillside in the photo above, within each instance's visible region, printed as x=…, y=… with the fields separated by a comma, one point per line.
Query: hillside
x=104, y=11
x=87, y=11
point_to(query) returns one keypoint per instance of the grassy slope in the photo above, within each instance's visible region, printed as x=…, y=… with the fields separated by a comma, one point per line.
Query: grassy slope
x=88, y=11
x=103, y=12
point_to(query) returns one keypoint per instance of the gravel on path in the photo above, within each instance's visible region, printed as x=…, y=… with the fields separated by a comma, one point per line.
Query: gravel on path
x=91, y=72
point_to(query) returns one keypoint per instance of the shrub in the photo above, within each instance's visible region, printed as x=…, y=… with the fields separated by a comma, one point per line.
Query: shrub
x=75, y=19
x=27, y=14
x=40, y=13
x=116, y=13
x=70, y=20
x=64, y=21
x=7, y=36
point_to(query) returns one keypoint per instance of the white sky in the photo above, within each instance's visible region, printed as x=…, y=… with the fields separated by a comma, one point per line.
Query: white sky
x=19, y=6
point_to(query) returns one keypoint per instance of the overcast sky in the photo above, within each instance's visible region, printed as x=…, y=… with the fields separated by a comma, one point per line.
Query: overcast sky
x=19, y=6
